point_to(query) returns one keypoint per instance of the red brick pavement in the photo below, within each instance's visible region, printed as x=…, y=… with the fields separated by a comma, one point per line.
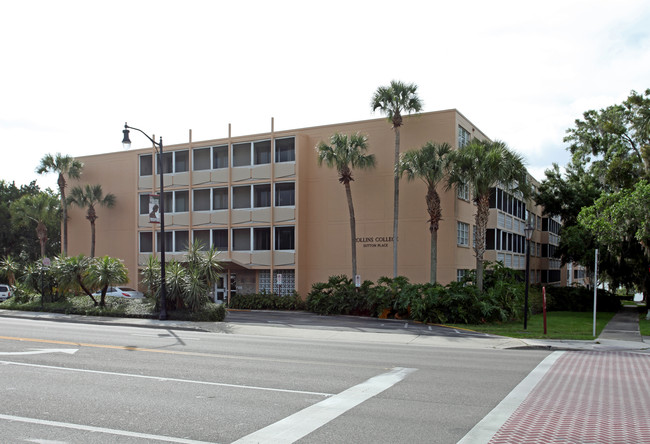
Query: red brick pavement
x=585, y=397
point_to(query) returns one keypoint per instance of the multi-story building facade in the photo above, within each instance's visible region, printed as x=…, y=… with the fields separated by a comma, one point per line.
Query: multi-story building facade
x=281, y=222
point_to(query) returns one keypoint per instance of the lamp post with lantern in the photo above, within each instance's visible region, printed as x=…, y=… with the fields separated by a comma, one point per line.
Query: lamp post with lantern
x=529, y=234
x=126, y=143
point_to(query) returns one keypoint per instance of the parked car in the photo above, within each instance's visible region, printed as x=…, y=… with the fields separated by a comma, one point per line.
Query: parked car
x=122, y=292
x=5, y=292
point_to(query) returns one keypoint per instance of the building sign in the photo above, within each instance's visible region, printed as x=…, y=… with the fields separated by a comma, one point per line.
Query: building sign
x=375, y=241
x=154, y=209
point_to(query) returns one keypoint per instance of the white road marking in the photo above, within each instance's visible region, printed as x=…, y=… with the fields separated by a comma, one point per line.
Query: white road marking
x=490, y=425
x=163, y=379
x=42, y=351
x=165, y=336
x=302, y=423
x=66, y=425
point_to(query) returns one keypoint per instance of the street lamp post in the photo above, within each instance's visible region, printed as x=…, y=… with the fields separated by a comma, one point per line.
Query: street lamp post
x=126, y=142
x=529, y=234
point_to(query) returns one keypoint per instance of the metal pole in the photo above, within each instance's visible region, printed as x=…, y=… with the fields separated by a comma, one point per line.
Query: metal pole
x=595, y=289
x=527, y=282
x=163, y=288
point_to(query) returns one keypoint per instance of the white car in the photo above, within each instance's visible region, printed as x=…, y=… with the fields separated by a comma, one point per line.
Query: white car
x=5, y=292
x=122, y=292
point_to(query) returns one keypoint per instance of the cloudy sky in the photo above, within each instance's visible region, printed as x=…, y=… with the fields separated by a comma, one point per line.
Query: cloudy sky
x=74, y=71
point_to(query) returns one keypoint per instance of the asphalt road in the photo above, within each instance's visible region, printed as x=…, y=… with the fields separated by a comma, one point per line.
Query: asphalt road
x=78, y=383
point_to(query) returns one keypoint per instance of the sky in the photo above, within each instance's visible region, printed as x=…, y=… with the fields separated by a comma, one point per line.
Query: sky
x=73, y=72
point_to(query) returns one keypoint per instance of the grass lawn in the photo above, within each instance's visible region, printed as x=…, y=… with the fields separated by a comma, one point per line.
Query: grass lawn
x=560, y=325
x=644, y=324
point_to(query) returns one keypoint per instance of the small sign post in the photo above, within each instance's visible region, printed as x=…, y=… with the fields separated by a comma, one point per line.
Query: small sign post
x=357, y=281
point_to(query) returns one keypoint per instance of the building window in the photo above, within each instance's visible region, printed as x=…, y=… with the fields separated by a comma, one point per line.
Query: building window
x=146, y=167
x=462, y=192
x=285, y=194
x=144, y=204
x=174, y=162
x=201, y=200
x=175, y=241
x=262, y=152
x=460, y=274
x=463, y=234
x=220, y=157
x=285, y=150
x=181, y=201
x=146, y=242
x=220, y=198
x=261, y=239
x=262, y=196
x=282, y=284
x=241, y=239
x=220, y=239
x=463, y=137
x=201, y=159
x=285, y=238
x=241, y=197
x=241, y=154
x=202, y=237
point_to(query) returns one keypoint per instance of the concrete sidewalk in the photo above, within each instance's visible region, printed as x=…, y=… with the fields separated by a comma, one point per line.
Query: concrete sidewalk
x=621, y=334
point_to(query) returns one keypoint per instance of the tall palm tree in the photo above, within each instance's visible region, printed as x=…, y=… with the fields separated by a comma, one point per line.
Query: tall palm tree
x=428, y=163
x=483, y=165
x=64, y=166
x=346, y=153
x=41, y=208
x=394, y=100
x=88, y=197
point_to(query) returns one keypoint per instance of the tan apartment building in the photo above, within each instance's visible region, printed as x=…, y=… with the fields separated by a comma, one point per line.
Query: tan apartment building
x=281, y=222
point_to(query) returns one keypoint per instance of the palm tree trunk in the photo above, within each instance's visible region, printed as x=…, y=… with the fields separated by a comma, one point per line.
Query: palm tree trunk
x=353, y=230
x=482, y=214
x=64, y=213
x=92, y=239
x=434, y=256
x=396, y=203
x=41, y=234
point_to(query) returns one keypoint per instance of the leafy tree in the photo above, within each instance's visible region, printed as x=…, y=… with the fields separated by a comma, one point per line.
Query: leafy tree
x=610, y=154
x=64, y=166
x=484, y=165
x=87, y=198
x=346, y=153
x=394, y=100
x=429, y=164
x=40, y=210
x=14, y=239
x=106, y=271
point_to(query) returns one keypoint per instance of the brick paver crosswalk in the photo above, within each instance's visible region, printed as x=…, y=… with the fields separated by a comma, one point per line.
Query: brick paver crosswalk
x=586, y=397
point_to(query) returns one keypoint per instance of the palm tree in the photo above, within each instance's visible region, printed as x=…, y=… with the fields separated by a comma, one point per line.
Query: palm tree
x=65, y=166
x=106, y=271
x=393, y=100
x=41, y=208
x=10, y=268
x=87, y=197
x=483, y=165
x=346, y=153
x=72, y=274
x=428, y=163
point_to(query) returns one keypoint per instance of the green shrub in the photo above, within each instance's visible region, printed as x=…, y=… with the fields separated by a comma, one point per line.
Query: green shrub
x=339, y=295
x=580, y=299
x=266, y=301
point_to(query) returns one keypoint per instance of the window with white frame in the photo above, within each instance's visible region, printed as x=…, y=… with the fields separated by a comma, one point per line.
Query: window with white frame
x=146, y=166
x=217, y=238
x=285, y=194
x=214, y=157
x=462, y=191
x=220, y=199
x=241, y=239
x=210, y=199
x=285, y=149
x=262, y=152
x=262, y=195
x=261, y=238
x=285, y=238
x=174, y=162
x=201, y=199
x=175, y=241
x=461, y=273
x=283, y=288
x=241, y=154
x=463, y=137
x=251, y=153
x=146, y=242
x=241, y=197
x=463, y=234
x=177, y=201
